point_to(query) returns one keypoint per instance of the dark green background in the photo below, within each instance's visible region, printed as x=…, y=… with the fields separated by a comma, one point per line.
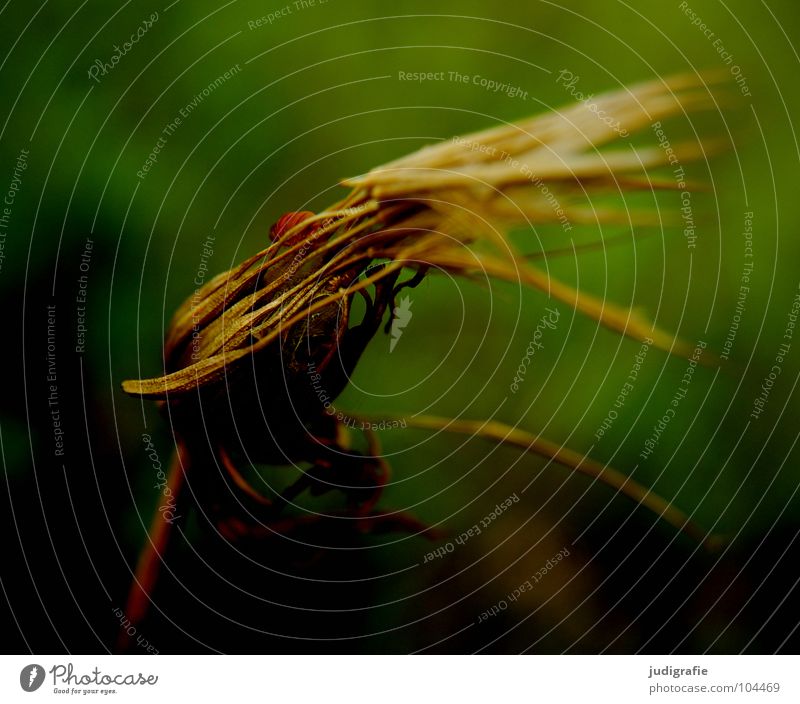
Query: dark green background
x=318, y=99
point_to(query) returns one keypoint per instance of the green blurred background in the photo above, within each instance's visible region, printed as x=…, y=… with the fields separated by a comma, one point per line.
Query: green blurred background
x=316, y=97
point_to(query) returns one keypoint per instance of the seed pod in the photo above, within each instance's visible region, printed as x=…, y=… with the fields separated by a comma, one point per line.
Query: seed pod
x=247, y=355
x=239, y=352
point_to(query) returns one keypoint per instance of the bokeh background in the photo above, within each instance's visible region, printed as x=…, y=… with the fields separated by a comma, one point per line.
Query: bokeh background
x=317, y=97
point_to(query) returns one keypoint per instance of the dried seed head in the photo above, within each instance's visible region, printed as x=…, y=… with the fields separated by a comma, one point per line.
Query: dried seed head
x=446, y=206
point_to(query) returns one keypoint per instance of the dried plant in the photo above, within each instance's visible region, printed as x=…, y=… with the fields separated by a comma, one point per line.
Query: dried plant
x=246, y=356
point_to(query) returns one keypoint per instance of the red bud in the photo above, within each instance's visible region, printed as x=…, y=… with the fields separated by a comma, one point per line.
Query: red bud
x=286, y=222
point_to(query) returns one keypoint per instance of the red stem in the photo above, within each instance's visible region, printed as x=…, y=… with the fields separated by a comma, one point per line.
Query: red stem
x=152, y=554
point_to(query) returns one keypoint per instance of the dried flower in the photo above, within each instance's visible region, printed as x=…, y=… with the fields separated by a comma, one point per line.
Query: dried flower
x=240, y=353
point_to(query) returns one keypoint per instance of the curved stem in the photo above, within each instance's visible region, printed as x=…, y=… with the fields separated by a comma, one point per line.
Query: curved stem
x=501, y=433
x=152, y=554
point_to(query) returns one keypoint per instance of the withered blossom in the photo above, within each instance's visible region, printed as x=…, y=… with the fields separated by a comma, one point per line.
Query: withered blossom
x=240, y=353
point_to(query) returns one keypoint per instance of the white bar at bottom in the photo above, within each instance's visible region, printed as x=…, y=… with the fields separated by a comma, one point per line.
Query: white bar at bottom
x=401, y=679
